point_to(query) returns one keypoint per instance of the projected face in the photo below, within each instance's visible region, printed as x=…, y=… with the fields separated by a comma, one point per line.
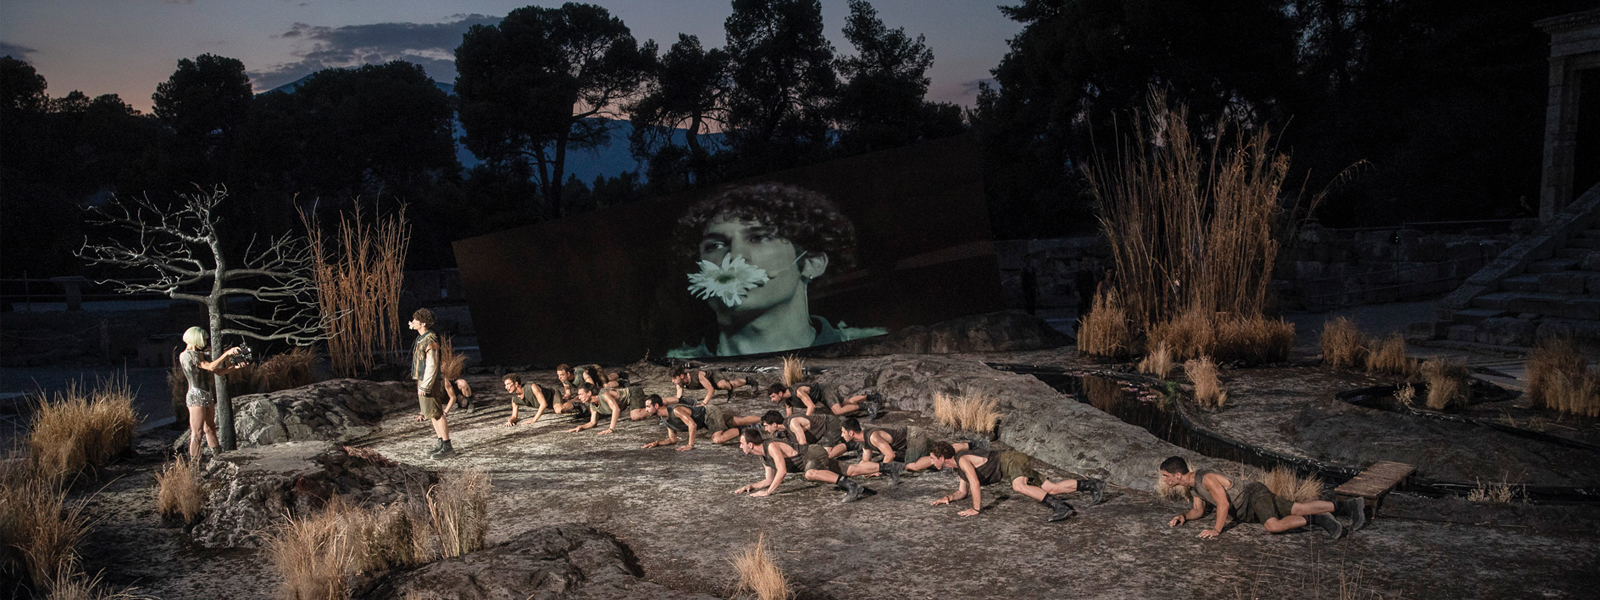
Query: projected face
x=787, y=268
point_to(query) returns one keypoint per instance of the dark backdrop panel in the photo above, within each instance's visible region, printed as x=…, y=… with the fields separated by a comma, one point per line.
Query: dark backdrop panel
x=608, y=286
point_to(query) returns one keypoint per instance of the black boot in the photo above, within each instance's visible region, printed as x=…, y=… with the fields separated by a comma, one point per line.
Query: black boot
x=1063, y=511
x=444, y=451
x=466, y=403
x=1328, y=524
x=1356, y=509
x=1095, y=488
x=437, y=444
x=852, y=490
x=893, y=470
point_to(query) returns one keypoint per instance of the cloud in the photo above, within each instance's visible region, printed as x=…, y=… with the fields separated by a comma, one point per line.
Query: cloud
x=319, y=47
x=15, y=50
x=970, y=88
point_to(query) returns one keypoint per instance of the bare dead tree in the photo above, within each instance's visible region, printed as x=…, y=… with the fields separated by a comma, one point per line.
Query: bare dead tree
x=183, y=248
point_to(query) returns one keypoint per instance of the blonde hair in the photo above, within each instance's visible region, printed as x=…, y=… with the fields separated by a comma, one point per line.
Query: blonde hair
x=196, y=337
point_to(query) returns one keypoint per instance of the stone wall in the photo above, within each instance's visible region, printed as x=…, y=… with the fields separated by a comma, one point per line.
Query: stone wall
x=1343, y=267
x=1054, y=264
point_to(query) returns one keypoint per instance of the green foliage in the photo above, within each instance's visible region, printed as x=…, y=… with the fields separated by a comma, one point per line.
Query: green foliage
x=533, y=86
x=881, y=103
x=684, y=91
x=783, y=84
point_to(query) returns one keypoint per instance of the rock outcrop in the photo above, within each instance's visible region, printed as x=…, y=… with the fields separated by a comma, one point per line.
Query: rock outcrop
x=558, y=562
x=335, y=410
x=989, y=332
x=253, y=489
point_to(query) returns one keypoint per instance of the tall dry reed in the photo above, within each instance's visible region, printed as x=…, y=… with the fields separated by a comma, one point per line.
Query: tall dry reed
x=759, y=575
x=358, y=275
x=976, y=412
x=1105, y=330
x=1447, y=382
x=1551, y=357
x=1190, y=228
x=1576, y=393
x=77, y=430
x=179, y=495
x=1284, y=483
x=459, y=507
x=1388, y=357
x=794, y=370
x=1223, y=337
x=1207, y=386
x=1343, y=344
x=317, y=553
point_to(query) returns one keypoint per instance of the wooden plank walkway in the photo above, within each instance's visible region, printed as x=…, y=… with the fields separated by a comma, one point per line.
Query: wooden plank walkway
x=1375, y=482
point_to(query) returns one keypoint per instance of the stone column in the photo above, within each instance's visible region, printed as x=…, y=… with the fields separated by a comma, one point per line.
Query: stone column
x=1574, y=46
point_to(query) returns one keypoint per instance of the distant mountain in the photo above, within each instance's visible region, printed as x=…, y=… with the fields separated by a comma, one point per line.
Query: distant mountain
x=609, y=159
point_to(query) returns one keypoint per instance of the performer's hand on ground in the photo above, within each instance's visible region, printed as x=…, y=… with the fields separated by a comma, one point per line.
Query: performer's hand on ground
x=682, y=448
x=1209, y=533
x=944, y=500
x=648, y=446
x=1176, y=521
x=575, y=430
x=968, y=512
x=607, y=432
x=511, y=421
x=418, y=419
x=742, y=490
x=761, y=494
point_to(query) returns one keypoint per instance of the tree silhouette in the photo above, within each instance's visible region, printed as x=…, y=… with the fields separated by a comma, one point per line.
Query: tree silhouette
x=543, y=81
x=881, y=104
x=783, y=83
x=685, y=91
x=203, y=103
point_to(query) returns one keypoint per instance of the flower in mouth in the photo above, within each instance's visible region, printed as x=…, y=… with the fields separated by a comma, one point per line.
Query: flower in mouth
x=729, y=281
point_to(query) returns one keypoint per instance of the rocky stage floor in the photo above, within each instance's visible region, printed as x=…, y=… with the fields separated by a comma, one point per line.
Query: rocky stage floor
x=674, y=510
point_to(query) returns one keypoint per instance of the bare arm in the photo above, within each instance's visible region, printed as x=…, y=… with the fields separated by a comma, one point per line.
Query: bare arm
x=594, y=417
x=970, y=479
x=672, y=438
x=215, y=366
x=687, y=416
x=544, y=403
x=961, y=492
x=1197, y=511
x=762, y=483
x=799, y=432
x=615, y=410
x=805, y=398
x=1221, y=496
x=883, y=447
x=711, y=388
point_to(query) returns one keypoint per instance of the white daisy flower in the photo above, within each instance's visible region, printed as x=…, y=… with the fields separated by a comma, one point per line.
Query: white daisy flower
x=729, y=281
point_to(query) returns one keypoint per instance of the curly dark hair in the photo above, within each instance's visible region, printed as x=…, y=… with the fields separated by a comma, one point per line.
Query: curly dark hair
x=807, y=219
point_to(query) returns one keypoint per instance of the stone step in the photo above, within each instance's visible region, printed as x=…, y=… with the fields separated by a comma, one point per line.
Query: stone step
x=1521, y=283
x=1554, y=265
x=1570, y=306
x=1474, y=316
x=1592, y=243
x=1570, y=282
x=1570, y=252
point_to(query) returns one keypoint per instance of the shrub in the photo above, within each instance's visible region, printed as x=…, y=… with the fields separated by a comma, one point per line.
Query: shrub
x=1389, y=357
x=75, y=430
x=1105, y=331
x=1197, y=333
x=759, y=574
x=1447, y=382
x=1343, y=345
x=1207, y=387
x=1287, y=485
x=459, y=509
x=316, y=554
x=794, y=370
x=1494, y=493
x=1158, y=362
x=977, y=413
x=1552, y=357
x=285, y=371
x=178, y=491
x=1576, y=393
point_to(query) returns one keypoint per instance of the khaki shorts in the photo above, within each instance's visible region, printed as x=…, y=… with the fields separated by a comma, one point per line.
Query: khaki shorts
x=1014, y=464
x=916, y=444
x=716, y=420
x=430, y=407
x=1259, y=504
x=816, y=457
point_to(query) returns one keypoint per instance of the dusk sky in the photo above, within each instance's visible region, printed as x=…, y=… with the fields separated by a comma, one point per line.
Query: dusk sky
x=126, y=47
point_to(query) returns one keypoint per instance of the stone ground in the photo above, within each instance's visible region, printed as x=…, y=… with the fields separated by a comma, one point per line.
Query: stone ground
x=674, y=510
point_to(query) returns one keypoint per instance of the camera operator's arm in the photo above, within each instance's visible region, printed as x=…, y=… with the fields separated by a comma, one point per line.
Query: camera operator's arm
x=220, y=364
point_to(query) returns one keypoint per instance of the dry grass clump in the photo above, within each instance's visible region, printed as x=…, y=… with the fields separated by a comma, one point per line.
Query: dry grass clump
x=317, y=553
x=759, y=575
x=1389, y=357
x=1286, y=484
x=1105, y=330
x=285, y=371
x=178, y=491
x=1447, y=382
x=794, y=370
x=1158, y=362
x=1197, y=333
x=459, y=507
x=1343, y=344
x=1495, y=493
x=1406, y=394
x=40, y=530
x=396, y=536
x=978, y=412
x=358, y=276
x=1207, y=387
x=1559, y=378
x=76, y=430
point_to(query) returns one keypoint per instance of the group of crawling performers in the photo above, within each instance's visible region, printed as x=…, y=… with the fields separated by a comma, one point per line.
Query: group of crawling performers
x=817, y=426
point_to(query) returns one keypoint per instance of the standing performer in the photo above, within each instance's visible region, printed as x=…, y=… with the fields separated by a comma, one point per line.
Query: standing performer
x=430, y=385
x=201, y=403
